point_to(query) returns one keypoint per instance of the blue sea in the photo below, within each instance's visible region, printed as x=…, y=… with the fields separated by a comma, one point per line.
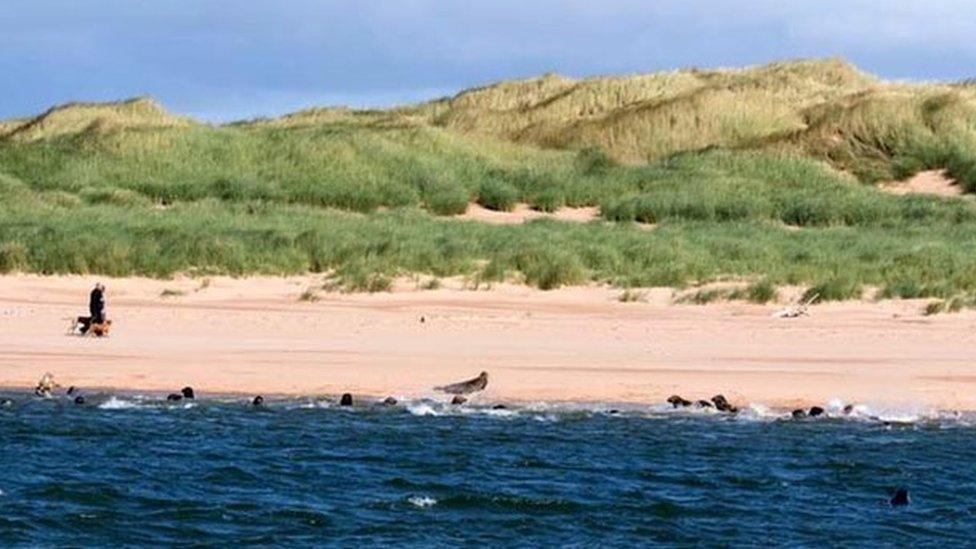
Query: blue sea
x=133, y=471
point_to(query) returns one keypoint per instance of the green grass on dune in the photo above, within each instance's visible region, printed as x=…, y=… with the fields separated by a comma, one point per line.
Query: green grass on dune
x=911, y=246
x=759, y=174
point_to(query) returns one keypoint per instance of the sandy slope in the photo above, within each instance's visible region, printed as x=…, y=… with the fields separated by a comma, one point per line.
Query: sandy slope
x=523, y=213
x=933, y=182
x=253, y=335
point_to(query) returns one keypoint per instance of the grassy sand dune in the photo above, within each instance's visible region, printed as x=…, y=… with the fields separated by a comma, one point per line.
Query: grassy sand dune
x=94, y=118
x=754, y=174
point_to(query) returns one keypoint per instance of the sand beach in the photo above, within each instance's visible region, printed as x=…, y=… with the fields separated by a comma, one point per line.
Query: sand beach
x=256, y=336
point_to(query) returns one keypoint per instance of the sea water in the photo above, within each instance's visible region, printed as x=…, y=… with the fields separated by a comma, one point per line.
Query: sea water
x=135, y=471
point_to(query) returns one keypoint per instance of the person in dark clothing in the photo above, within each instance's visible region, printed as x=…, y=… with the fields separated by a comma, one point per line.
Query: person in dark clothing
x=96, y=309
x=96, y=304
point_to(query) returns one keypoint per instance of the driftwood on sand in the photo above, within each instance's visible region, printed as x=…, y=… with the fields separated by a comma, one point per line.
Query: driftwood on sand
x=466, y=387
x=799, y=308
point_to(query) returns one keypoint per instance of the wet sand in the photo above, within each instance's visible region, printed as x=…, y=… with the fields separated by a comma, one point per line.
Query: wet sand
x=254, y=335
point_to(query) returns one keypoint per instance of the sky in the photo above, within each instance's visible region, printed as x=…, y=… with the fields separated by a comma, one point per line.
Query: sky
x=222, y=60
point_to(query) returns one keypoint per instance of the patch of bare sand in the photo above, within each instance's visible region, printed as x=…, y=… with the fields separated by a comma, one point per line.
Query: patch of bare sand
x=523, y=213
x=931, y=182
x=253, y=335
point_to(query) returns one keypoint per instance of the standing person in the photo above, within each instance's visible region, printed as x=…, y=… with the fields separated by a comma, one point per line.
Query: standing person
x=96, y=304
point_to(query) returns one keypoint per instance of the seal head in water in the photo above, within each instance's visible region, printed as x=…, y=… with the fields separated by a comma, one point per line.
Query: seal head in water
x=466, y=387
x=900, y=498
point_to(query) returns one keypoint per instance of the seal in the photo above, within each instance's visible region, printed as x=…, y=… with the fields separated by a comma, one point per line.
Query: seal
x=258, y=401
x=466, y=387
x=458, y=400
x=816, y=411
x=678, y=402
x=345, y=400
x=722, y=404
x=389, y=401
x=900, y=498
x=187, y=392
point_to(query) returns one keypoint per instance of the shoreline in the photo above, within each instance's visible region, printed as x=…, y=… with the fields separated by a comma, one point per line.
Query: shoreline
x=249, y=336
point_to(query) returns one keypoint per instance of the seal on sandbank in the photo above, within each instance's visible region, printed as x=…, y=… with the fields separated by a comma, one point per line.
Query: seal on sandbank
x=466, y=387
x=722, y=404
x=678, y=402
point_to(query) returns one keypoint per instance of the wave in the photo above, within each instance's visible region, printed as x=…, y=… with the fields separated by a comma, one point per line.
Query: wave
x=422, y=502
x=835, y=410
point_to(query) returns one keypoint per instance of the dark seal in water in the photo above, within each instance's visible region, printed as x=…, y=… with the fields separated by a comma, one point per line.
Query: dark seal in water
x=258, y=401
x=816, y=411
x=900, y=497
x=389, y=401
x=187, y=392
x=458, y=400
x=799, y=413
x=346, y=400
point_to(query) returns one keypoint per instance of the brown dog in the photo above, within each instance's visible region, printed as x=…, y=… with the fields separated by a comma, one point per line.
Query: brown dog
x=84, y=326
x=101, y=330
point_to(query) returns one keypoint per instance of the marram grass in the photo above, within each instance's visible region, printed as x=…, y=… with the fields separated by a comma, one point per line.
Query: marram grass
x=760, y=174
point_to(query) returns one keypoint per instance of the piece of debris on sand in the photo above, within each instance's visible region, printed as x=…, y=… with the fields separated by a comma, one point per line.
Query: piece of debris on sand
x=799, y=308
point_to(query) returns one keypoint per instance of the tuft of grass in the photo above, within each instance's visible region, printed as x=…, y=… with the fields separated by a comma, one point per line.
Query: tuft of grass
x=703, y=297
x=448, y=201
x=548, y=200
x=13, y=257
x=594, y=160
x=431, y=284
x=632, y=296
x=359, y=277
x=171, y=292
x=550, y=268
x=835, y=289
x=309, y=296
x=497, y=195
x=950, y=305
x=934, y=308
x=761, y=292
x=912, y=289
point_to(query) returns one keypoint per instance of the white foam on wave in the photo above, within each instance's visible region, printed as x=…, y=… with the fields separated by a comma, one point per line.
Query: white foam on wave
x=895, y=414
x=422, y=502
x=313, y=404
x=756, y=411
x=424, y=409
x=115, y=403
